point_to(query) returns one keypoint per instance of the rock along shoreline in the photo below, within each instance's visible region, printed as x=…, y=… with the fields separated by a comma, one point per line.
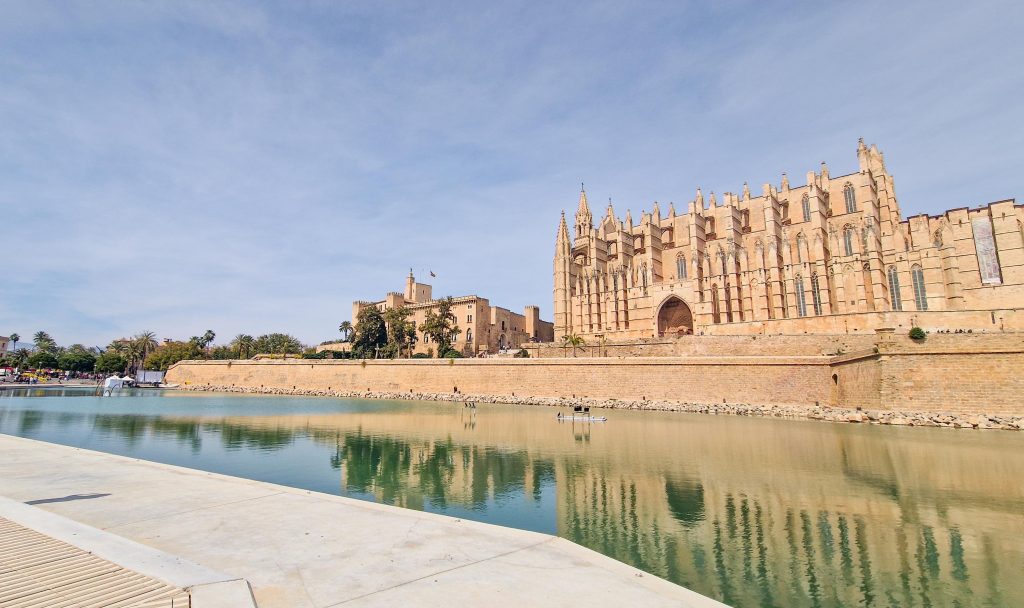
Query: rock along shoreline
x=811, y=412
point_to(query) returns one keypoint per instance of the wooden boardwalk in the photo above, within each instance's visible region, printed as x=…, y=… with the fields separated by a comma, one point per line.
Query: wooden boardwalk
x=39, y=571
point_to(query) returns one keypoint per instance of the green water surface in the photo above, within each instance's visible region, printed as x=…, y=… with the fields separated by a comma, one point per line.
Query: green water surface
x=753, y=512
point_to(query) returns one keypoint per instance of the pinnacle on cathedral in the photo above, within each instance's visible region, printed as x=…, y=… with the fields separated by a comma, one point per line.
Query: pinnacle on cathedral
x=584, y=221
x=563, y=233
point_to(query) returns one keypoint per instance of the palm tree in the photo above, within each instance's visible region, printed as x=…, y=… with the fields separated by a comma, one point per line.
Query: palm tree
x=345, y=328
x=146, y=342
x=14, y=339
x=243, y=343
x=43, y=341
x=573, y=340
x=208, y=338
x=21, y=357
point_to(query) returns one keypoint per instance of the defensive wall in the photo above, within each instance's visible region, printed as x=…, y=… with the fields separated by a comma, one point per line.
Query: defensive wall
x=955, y=373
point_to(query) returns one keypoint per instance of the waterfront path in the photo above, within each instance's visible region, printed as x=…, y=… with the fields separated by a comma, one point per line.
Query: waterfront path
x=300, y=548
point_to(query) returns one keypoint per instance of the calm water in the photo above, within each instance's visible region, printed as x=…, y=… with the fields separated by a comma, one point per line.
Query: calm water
x=752, y=512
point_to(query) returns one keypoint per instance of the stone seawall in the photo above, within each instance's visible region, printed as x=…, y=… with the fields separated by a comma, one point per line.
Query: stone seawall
x=828, y=414
x=971, y=377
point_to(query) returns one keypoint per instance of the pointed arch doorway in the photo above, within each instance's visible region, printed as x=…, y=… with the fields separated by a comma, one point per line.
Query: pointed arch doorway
x=674, y=318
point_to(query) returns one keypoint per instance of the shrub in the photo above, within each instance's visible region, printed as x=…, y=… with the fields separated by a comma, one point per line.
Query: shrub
x=916, y=333
x=522, y=354
x=421, y=356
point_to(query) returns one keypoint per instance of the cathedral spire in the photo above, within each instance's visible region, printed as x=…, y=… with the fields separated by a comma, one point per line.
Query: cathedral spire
x=584, y=221
x=629, y=219
x=746, y=191
x=611, y=212
x=700, y=199
x=562, y=240
x=785, y=182
x=671, y=209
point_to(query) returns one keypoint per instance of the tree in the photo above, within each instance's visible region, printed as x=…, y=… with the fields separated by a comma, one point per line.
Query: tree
x=14, y=339
x=109, y=362
x=573, y=340
x=400, y=331
x=43, y=360
x=169, y=353
x=145, y=343
x=345, y=328
x=441, y=327
x=243, y=344
x=20, y=357
x=370, y=332
x=44, y=342
x=76, y=358
x=277, y=343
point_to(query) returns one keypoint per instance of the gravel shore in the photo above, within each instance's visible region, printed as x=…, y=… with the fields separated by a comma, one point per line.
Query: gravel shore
x=810, y=412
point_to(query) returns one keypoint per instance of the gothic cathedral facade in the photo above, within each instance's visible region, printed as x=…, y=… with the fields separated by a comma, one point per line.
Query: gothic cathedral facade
x=831, y=256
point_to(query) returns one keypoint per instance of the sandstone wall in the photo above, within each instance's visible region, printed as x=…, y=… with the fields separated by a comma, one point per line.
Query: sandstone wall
x=965, y=374
x=768, y=380
x=689, y=346
x=956, y=373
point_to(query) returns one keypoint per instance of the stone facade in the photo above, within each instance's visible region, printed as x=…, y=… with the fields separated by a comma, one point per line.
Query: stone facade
x=832, y=256
x=485, y=328
x=3, y=344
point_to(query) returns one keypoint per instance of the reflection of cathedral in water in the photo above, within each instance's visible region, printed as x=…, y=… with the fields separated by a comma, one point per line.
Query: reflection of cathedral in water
x=747, y=542
x=751, y=512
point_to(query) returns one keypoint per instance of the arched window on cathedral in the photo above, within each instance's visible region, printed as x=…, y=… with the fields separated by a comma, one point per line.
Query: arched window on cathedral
x=806, y=203
x=848, y=240
x=469, y=335
x=851, y=202
x=716, y=313
x=801, y=299
x=816, y=294
x=894, y=289
x=768, y=298
x=920, y=296
x=801, y=244
x=680, y=267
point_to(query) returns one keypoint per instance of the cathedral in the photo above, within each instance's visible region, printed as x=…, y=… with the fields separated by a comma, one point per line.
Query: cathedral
x=831, y=256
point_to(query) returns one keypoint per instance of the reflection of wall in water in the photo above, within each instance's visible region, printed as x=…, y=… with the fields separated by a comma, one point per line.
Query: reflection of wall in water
x=758, y=545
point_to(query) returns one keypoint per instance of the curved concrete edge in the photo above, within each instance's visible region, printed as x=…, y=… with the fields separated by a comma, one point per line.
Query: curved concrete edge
x=215, y=590
x=225, y=594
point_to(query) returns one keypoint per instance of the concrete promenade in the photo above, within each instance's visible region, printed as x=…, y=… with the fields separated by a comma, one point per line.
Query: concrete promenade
x=299, y=548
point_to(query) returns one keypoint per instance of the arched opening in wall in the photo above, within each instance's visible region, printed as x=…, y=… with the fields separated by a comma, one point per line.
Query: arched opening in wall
x=501, y=342
x=716, y=313
x=675, y=318
x=833, y=393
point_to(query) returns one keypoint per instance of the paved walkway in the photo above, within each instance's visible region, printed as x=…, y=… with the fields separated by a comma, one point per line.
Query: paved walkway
x=299, y=548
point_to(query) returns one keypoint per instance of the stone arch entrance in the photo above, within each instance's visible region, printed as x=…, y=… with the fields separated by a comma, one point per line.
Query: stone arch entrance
x=674, y=318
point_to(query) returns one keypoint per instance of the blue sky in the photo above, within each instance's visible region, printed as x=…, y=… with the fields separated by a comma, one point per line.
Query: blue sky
x=254, y=167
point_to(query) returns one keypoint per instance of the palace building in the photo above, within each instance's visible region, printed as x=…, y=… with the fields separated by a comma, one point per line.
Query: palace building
x=484, y=328
x=831, y=256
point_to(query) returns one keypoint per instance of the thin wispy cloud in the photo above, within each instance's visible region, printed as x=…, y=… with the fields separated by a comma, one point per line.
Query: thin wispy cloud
x=179, y=166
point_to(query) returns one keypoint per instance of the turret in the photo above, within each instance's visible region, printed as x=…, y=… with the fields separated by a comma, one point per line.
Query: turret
x=584, y=221
x=563, y=274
